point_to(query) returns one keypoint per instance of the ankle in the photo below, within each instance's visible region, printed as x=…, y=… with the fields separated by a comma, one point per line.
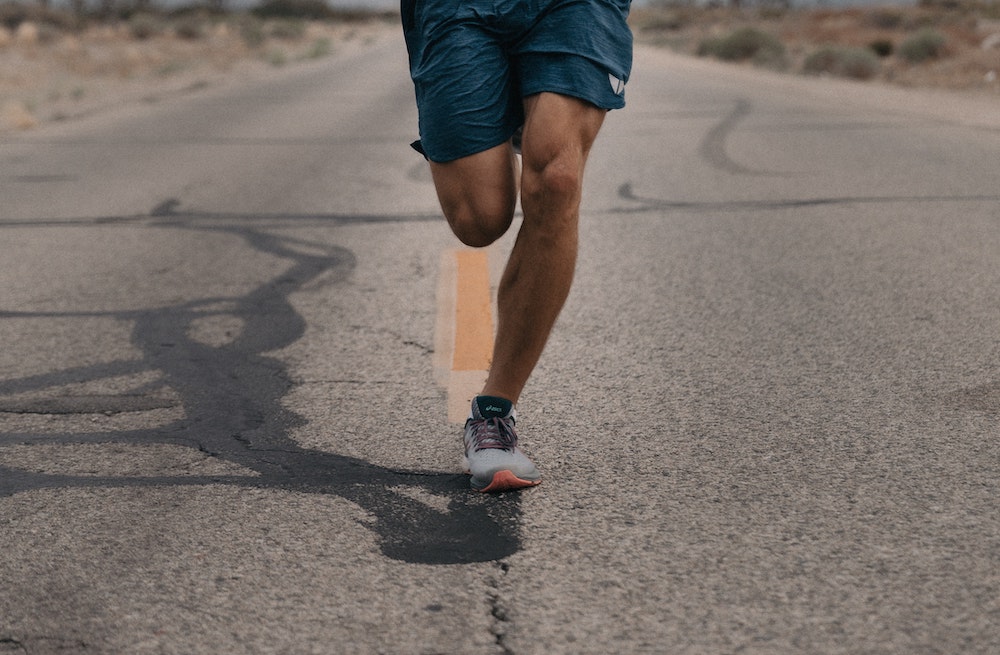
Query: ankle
x=485, y=406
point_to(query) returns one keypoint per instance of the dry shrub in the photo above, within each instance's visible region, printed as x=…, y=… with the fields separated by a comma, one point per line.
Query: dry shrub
x=745, y=44
x=925, y=45
x=854, y=63
x=301, y=9
x=190, y=27
x=882, y=47
x=885, y=19
x=144, y=26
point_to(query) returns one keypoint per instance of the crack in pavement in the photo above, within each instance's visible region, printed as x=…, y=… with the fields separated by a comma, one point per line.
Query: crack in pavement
x=650, y=204
x=498, y=608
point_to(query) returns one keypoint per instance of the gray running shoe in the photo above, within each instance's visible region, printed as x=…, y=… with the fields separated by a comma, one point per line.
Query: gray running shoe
x=491, y=453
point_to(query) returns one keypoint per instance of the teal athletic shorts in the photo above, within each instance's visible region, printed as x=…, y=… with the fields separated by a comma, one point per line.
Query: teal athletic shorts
x=473, y=62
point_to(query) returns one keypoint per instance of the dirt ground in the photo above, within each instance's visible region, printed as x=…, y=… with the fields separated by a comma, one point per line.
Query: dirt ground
x=968, y=58
x=51, y=73
x=48, y=74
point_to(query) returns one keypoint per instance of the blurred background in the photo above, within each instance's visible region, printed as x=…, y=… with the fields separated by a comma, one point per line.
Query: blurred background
x=64, y=58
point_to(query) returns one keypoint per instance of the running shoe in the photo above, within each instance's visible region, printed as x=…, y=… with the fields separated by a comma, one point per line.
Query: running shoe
x=491, y=453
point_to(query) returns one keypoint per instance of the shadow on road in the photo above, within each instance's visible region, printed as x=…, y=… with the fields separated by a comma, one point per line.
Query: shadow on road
x=231, y=396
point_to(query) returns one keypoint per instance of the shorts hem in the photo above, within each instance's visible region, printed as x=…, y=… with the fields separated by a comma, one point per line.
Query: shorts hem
x=450, y=155
x=600, y=103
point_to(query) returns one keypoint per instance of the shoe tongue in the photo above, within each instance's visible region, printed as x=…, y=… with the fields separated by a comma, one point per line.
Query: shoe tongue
x=491, y=407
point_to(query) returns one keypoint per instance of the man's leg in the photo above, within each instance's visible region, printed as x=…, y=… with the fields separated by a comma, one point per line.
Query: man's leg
x=478, y=195
x=558, y=134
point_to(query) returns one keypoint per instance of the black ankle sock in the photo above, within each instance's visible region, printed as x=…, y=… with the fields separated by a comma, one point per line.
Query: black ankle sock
x=493, y=406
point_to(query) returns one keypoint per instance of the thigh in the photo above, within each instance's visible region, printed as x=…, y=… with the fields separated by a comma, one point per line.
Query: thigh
x=559, y=126
x=468, y=98
x=478, y=193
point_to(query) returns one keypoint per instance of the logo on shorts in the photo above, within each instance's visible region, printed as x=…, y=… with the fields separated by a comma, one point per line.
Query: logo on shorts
x=617, y=85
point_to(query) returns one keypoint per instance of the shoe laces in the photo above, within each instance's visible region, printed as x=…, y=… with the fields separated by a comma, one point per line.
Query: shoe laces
x=492, y=433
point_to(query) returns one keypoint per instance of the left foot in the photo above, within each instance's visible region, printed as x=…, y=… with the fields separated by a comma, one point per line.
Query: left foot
x=492, y=456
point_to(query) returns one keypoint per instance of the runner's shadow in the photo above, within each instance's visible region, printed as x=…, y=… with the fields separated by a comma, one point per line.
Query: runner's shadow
x=231, y=396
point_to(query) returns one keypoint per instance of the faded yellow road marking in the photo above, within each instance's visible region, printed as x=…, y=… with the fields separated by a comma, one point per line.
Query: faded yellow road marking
x=473, y=312
x=464, y=339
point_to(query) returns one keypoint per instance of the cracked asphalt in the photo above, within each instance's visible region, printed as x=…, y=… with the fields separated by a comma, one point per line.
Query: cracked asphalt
x=767, y=419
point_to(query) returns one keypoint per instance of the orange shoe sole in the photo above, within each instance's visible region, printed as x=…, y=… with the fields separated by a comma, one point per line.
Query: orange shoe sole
x=507, y=481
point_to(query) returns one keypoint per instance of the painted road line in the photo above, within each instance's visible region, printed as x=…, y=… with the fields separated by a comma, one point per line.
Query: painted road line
x=444, y=327
x=473, y=312
x=464, y=334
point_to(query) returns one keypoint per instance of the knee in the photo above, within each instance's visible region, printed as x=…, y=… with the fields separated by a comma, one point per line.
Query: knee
x=478, y=227
x=478, y=194
x=556, y=178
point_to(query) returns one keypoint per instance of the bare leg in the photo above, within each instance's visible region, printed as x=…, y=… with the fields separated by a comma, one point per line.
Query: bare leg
x=478, y=195
x=558, y=134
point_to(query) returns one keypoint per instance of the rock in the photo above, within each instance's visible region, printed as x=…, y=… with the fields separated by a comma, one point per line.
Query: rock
x=27, y=34
x=16, y=115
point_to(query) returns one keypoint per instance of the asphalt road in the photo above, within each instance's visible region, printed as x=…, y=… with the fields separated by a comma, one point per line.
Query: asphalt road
x=767, y=420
